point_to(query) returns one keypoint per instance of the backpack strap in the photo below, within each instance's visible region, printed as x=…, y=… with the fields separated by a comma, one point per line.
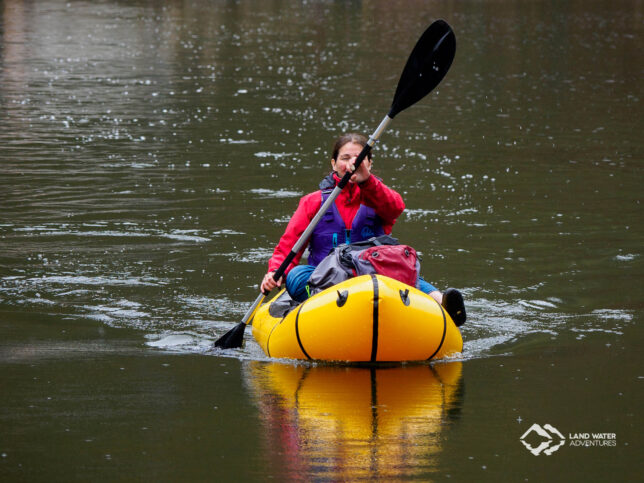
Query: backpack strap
x=376, y=241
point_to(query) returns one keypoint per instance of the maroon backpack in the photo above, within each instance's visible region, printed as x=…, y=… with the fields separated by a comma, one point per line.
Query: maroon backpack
x=396, y=261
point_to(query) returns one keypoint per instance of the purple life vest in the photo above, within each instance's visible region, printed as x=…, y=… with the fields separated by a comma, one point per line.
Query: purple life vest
x=331, y=230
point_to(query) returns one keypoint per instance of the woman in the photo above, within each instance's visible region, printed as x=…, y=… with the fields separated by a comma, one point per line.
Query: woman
x=366, y=207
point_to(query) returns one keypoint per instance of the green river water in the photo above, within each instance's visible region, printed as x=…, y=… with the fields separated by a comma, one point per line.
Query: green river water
x=151, y=154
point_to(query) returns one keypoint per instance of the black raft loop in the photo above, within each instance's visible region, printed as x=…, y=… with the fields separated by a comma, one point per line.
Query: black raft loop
x=342, y=298
x=404, y=296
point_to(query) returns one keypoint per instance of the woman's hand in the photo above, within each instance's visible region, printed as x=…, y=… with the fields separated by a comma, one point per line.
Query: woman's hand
x=363, y=172
x=346, y=161
x=269, y=283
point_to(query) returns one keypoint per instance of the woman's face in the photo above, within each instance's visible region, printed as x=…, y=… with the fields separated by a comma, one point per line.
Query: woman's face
x=347, y=158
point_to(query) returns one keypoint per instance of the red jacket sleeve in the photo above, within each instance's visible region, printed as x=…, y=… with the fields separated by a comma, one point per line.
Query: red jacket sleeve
x=388, y=204
x=306, y=210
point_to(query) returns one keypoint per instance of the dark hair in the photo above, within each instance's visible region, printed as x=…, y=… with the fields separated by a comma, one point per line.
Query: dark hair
x=347, y=138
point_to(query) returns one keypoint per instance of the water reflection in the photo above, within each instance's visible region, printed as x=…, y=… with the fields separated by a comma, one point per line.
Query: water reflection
x=348, y=423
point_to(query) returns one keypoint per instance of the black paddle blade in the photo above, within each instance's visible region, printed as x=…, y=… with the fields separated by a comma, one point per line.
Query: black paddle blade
x=427, y=65
x=233, y=338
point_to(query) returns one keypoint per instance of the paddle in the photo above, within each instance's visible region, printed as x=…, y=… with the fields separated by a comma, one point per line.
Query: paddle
x=427, y=65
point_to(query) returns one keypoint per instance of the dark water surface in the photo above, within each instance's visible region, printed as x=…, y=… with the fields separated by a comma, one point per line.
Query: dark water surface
x=151, y=154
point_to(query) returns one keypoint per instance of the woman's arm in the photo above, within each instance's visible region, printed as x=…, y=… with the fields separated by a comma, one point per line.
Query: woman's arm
x=306, y=210
x=388, y=204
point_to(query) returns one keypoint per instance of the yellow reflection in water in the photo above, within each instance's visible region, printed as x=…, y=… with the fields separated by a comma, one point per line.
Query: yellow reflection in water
x=347, y=423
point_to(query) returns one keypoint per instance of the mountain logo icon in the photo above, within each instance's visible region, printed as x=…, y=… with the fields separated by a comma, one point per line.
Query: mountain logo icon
x=550, y=439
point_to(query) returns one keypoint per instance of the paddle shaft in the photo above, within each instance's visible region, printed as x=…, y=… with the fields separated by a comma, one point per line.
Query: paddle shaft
x=304, y=237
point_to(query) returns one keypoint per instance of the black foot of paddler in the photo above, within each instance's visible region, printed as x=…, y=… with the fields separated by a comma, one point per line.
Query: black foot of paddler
x=453, y=303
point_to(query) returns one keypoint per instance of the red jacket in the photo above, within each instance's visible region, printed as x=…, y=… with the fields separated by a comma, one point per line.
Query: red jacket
x=373, y=193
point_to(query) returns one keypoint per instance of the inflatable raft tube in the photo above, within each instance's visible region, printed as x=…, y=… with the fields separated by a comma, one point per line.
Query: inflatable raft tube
x=371, y=318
